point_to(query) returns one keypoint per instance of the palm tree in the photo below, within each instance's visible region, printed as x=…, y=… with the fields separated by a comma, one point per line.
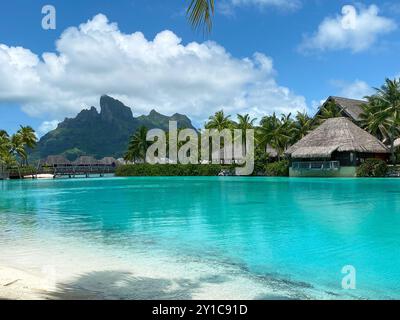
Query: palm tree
x=303, y=125
x=245, y=122
x=4, y=149
x=373, y=121
x=15, y=146
x=288, y=131
x=28, y=138
x=264, y=133
x=138, y=145
x=7, y=160
x=3, y=133
x=4, y=140
x=383, y=113
x=330, y=110
x=200, y=14
x=276, y=132
x=18, y=147
x=219, y=121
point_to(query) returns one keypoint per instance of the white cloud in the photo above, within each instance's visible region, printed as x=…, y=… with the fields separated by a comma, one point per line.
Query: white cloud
x=97, y=58
x=355, y=90
x=315, y=105
x=47, y=126
x=354, y=29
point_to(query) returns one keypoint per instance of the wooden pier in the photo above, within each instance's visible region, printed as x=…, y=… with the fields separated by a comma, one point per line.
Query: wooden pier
x=84, y=166
x=59, y=167
x=82, y=170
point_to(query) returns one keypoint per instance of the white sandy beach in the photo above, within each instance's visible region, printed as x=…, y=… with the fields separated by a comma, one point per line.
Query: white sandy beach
x=20, y=285
x=70, y=269
x=16, y=284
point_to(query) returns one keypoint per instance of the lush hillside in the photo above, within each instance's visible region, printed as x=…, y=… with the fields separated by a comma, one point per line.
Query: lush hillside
x=101, y=134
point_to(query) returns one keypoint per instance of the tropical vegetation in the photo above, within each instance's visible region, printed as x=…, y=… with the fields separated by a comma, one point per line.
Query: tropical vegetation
x=144, y=169
x=14, y=149
x=328, y=111
x=277, y=169
x=381, y=115
x=274, y=132
x=372, y=168
x=138, y=146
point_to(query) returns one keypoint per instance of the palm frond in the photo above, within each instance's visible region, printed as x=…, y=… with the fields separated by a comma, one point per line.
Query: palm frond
x=200, y=14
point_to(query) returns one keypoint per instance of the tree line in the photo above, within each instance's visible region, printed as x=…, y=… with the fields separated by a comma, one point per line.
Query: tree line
x=14, y=149
x=380, y=117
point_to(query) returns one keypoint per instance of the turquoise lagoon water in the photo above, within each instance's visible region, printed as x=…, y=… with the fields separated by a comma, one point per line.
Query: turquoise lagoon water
x=301, y=232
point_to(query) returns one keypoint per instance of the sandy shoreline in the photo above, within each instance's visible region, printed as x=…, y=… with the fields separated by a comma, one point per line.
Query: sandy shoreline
x=21, y=285
x=16, y=284
x=49, y=266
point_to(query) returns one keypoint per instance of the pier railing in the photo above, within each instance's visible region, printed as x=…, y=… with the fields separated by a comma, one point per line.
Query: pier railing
x=58, y=170
x=316, y=165
x=79, y=170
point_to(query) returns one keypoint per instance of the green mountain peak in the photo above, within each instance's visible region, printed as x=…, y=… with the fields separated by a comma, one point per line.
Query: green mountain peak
x=101, y=134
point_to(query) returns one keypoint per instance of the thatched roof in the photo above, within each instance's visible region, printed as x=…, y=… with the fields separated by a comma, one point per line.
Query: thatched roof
x=336, y=134
x=56, y=160
x=350, y=107
x=86, y=160
x=108, y=161
x=271, y=151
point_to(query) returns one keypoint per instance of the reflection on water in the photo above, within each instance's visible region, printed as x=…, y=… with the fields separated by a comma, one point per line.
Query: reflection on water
x=300, y=230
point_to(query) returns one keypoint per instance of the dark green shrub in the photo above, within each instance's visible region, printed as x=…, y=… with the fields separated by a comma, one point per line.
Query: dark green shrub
x=372, y=168
x=277, y=169
x=168, y=170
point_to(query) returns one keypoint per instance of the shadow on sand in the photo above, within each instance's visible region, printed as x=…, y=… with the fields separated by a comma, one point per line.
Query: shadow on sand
x=119, y=285
x=123, y=285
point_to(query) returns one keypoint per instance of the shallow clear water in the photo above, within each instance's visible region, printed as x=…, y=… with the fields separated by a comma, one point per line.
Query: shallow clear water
x=301, y=231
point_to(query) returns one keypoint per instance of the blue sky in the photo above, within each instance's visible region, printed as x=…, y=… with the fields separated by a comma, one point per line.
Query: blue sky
x=264, y=56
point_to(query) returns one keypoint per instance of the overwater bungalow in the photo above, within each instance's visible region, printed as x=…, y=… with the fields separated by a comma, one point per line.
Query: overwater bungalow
x=54, y=161
x=336, y=148
x=109, y=161
x=86, y=161
x=85, y=165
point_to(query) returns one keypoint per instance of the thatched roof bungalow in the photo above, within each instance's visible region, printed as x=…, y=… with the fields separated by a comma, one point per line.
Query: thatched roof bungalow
x=272, y=152
x=54, y=161
x=109, y=161
x=349, y=108
x=335, y=148
x=86, y=161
